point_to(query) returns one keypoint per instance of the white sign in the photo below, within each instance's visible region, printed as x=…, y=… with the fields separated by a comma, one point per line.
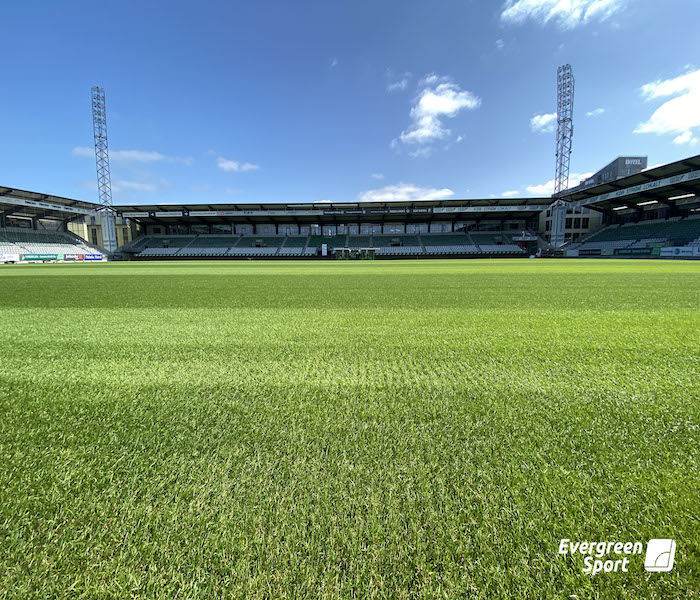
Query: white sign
x=675, y=180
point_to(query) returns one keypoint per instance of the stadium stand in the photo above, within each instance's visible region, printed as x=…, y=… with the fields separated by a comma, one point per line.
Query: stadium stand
x=250, y=246
x=17, y=240
x=673, y=231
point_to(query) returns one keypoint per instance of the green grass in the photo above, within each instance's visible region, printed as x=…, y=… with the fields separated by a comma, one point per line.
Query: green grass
x=400, y=429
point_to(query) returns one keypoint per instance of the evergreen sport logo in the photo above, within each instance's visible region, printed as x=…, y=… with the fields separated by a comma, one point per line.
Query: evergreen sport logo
x=659, y=555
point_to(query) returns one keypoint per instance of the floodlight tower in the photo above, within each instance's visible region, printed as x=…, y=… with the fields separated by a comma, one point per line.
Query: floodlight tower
x=565, y=133
x=565, y=126
x=104, y=178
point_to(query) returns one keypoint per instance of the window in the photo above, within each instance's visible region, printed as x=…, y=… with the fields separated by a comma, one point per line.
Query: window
x=547, y=225
x=93, y=235
x=577, y=223
x=568, y=223
x=584, y=223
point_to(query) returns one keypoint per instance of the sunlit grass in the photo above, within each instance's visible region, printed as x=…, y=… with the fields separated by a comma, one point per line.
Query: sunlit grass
x=370, y=429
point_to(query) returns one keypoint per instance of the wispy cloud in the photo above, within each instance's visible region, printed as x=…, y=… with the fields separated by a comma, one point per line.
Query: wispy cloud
x=333, y=62
x=140, y=156
x=596, y=112
x=405, y=192
x=500, y=44
x=119, y=186
x=400, y=84
x=547, y=189
x=678, y=116
x=567, y=14
x=438, y=98
x=377, y=176
x=510, y=194
x=233, y=166
x=543, y=123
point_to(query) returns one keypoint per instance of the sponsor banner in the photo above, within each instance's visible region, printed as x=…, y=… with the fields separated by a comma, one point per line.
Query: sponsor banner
x=92, y=257
x=72, y=257
x=679, y=251
x=324, y=249
x=4, y=258
x=589, y=252
x=41, y=256
x=637, y=251
x=675, y=180
x=571, y=253
x=488, y=209
x=45, y=205
x=335, y=211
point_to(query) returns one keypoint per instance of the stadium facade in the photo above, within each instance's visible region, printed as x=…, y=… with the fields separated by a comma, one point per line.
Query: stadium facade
x=624, y=210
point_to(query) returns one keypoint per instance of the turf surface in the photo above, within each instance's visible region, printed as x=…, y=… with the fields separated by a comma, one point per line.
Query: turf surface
x=356, y=429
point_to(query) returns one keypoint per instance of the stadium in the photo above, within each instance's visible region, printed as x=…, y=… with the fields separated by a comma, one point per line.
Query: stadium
x=652, y=213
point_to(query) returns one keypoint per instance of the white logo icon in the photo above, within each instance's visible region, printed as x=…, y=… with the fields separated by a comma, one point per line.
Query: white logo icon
x=660, y=554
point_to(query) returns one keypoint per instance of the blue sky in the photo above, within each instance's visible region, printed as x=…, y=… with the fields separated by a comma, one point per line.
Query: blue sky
x=272, y=101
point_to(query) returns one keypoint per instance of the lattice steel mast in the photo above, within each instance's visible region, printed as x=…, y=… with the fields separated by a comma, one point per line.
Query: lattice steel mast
x=565, y=126
x=104, y=178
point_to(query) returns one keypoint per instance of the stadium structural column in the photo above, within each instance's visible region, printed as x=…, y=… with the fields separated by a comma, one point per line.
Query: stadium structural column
x=104, y=178
x=565, y=126
x=558, y=223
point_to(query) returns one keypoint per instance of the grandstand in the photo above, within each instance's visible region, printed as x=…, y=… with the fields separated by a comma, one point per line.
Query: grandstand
x=640, y=239
x=246, y=246
x=433, y=228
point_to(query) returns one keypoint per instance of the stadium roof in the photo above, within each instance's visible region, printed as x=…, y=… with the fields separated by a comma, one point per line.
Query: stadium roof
x=21, y=203
x=674, y=183
x=329, y=212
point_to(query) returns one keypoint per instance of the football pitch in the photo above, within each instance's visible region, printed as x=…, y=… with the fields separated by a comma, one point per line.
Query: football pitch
x=367, y=429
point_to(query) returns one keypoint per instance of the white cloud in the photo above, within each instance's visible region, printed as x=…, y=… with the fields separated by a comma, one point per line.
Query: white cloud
x=510, y=194
x=680, y=115
x=686, y=137
x=596, y=112
x=405, y=192
x=377, y=176
x=333, y=63
x=543, y=123
x=400, y=85
x=500, y=44
x=567, y=14
x=143, y=156
x=233, y=166
x=547, y=189
x=438, y=99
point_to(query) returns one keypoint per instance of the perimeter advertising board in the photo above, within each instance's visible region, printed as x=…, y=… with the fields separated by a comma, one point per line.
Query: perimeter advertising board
x=40, y=257
x=637, y=251
x=92, y=257
x=678, y=252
